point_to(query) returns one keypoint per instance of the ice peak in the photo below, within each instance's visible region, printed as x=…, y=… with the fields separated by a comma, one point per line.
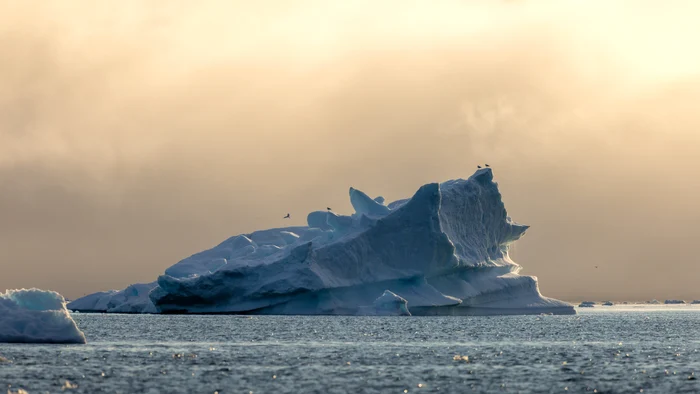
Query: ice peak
x=483, y=175
x=363, y=204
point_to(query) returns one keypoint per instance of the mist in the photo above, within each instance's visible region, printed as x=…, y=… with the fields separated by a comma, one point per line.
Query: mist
x=133, y=136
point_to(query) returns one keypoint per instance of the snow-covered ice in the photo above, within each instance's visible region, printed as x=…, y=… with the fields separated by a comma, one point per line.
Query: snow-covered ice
x=36, y=316
x=444, y=251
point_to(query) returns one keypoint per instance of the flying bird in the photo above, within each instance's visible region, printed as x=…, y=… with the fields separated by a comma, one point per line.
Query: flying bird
x=286, y=217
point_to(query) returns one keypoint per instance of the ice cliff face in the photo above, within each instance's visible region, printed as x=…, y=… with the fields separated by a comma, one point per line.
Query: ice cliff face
x=444, y=251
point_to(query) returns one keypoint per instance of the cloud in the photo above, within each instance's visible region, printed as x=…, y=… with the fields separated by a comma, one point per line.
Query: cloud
x=132, y=137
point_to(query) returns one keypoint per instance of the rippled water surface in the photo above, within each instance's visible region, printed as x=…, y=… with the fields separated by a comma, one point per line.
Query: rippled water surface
x=606, y=350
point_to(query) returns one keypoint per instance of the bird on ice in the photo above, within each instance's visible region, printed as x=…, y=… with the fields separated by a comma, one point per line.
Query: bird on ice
x=478, y=166
x=329, y=209
x=487, y=165
x=286, y=217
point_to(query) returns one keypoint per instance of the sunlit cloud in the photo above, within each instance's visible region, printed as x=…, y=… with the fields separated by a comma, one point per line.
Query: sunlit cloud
x=135, y=134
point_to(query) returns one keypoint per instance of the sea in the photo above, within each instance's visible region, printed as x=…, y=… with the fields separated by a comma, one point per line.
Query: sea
x=620, y=349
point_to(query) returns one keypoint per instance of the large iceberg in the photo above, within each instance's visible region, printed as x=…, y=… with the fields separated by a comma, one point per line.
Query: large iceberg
x=36, y=316
x=443, y=252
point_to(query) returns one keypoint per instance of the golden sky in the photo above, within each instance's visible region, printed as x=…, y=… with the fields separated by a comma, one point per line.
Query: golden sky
x=135, y=133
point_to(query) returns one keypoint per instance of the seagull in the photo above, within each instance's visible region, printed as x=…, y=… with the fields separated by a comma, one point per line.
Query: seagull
x=596, y=266
x=286, y=217
x=478, y=166
x=329, y=209
x=486, y=165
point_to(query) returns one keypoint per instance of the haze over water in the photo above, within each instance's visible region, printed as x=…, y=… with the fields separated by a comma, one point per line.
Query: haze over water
x=134, y=135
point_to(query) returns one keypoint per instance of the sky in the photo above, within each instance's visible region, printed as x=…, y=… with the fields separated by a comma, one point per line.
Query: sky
x=136, y=133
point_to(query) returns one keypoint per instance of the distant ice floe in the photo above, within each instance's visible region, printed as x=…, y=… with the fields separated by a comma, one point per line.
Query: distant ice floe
x=36, y=316
x=586, y=304
x=443, y=252
x=673, y=302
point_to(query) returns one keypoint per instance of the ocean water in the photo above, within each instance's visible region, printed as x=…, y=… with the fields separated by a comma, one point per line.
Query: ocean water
x=603, y=350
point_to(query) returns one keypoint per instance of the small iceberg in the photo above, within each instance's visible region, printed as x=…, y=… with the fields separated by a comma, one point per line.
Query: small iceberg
x=608, y=303
x=586, y=304
x=36, y=316
x=695, y=302
x=390, y=304
x=674, y=302
x=654, y=301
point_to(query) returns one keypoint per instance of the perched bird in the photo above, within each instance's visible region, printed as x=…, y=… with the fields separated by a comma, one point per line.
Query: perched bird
x=286, y=217
x=329, y=209
x=478, y=166
x=487, y=165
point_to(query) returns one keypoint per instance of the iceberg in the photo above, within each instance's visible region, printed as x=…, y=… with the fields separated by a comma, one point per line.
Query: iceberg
x=586, y=304
x=133, y=299
x=443, y=251
x=388, y=304
x=36, y=316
